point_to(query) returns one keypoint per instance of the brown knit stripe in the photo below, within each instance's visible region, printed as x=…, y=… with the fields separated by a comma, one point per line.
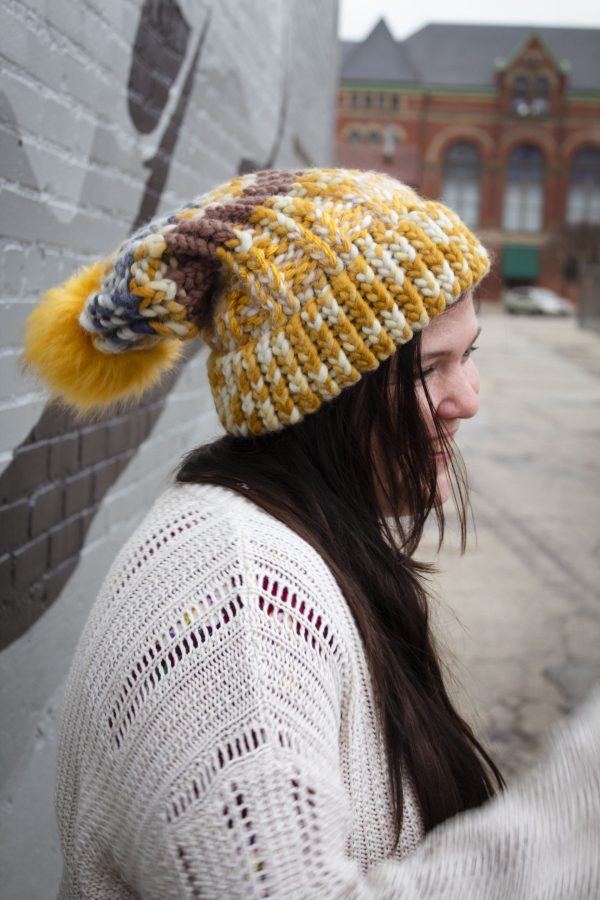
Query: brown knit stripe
x=223, y=217
x=192, y=243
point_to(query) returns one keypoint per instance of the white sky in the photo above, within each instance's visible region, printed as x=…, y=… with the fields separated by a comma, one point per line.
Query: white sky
x=357, y=17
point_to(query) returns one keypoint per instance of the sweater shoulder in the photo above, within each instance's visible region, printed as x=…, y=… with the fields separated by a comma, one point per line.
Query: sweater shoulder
x=200, y=555
x=201, y=526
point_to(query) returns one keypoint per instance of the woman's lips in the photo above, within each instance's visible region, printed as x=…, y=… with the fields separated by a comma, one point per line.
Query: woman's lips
x=445, y=455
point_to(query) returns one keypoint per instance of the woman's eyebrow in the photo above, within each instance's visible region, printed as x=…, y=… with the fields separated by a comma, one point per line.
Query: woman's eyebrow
x=434, y=354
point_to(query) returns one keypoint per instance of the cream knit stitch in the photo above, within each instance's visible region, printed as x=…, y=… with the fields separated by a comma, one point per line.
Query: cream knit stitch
x=219, y=740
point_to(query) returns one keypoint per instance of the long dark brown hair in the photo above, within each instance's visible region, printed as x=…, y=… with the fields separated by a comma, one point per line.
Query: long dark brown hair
x=340, y=479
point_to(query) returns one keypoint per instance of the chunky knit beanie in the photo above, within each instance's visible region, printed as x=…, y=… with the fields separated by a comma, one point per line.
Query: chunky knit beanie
x=299, y=281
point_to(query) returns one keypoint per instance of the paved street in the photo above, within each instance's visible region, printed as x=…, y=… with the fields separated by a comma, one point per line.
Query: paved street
x=519, y=614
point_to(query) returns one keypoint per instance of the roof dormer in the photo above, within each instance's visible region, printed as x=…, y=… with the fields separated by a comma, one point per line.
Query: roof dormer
x=531, y=83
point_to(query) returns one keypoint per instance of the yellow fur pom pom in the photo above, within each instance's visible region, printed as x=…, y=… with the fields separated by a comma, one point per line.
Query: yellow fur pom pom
x=59, y=350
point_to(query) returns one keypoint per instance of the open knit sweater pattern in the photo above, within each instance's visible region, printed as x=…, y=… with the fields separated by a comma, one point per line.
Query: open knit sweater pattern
x=220, y=740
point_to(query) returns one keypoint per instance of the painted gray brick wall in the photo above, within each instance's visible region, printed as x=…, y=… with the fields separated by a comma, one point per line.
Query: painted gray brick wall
x=111, y=111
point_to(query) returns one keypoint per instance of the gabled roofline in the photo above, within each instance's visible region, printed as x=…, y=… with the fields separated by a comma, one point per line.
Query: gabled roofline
x=399, y=48
x=360, y=43
x=501, y=65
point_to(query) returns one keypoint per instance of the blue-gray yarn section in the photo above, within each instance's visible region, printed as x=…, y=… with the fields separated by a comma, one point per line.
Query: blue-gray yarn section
x=115, y=301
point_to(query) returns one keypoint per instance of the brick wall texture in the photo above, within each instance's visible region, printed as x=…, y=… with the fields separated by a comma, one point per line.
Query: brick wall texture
x=109, y=113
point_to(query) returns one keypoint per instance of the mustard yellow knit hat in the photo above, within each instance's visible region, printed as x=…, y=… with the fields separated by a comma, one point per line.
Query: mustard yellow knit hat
x=299, y=281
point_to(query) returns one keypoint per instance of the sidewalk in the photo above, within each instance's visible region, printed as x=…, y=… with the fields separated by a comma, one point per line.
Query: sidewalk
x=519, y=615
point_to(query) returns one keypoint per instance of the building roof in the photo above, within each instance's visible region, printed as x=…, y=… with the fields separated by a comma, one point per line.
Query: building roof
x=346, y=48
x=379, y=58
x=445, y=55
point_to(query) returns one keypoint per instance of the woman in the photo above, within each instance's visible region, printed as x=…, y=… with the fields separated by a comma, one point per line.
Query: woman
x=256, y=706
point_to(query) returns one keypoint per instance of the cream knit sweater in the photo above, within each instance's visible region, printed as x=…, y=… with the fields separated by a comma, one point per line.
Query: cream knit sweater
x=219, y=740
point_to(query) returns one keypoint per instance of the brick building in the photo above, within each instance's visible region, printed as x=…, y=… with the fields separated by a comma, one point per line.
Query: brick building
x=501, y=122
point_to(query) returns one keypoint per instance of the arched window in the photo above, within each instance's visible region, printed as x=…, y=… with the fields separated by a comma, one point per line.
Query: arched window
x=524, y=191
x=583, y=203
x=461, y=181
x=374, y=136
x=354, y=100
x=382, y=101
x=367, y=100
x=354, y=136
x=394, y=101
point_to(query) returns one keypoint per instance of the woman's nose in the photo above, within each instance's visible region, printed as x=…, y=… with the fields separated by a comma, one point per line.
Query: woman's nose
x=461, y=397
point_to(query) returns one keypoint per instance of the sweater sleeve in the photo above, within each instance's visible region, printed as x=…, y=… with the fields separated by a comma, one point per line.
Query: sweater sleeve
x=540, y=840
x=225, y=780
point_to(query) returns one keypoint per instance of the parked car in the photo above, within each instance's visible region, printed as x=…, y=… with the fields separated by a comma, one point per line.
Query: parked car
x=528, y=300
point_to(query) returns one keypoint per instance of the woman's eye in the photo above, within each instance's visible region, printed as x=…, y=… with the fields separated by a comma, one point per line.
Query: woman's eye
x=471, y=350
x=424, y=373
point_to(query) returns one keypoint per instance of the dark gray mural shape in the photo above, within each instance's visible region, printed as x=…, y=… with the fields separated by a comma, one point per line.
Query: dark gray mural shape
x=140, y=86
x=158, y=53
x=58, y=476
x=49, y=495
